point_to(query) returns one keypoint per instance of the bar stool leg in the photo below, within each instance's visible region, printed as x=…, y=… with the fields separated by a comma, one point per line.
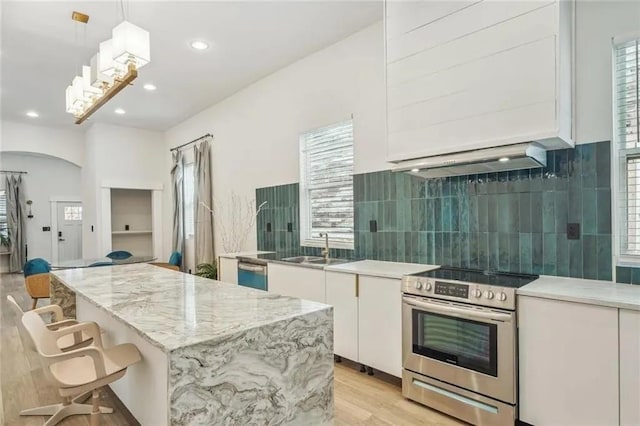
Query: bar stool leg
x=95, y=412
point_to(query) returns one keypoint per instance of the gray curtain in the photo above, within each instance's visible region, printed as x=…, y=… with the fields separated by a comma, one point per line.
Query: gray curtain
x=16, y=222
x=203, y=195
x=177, y=175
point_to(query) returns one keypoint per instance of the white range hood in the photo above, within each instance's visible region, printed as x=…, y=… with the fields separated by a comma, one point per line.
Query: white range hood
x=489, y=160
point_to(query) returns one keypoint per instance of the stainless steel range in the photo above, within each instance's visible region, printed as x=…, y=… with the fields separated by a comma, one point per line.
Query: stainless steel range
x=459, y=343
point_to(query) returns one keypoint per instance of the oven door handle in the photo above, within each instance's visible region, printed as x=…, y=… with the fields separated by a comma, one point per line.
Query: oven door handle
x=457, y=311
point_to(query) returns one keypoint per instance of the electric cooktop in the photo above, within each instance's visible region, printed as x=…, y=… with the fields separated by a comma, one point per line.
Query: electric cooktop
x=478, y=276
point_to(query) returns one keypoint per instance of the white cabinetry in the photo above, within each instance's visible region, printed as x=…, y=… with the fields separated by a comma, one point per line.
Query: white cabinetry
x=568, y=363
x=342, y=294
x=380, y=324
x=629, y=367
x=464, y=75
x=296, y=281
x=228, y=270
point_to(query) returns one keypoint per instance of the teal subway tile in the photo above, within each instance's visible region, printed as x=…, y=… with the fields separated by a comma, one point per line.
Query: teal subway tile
x=537, y=253
x=493, y=251
x=524, y=211
x=623, y=275
x=446, y=248
x=474, y=225
x=437, y=214
x=574, y=204
x=588, y=160
x=454, y=214
x=492, y=212
x=430, y=215
x=514, y=252
x=535, y=179
x=446, y=214
x=455, y=249
x=562, y=255
x=560, y=169
x=418, y=217
x=548, y=212
x=605, y=269
x=561, y=211
x=484, y=250
x=635, y=275
x=430, y=257
x=417, y=187
x=400, y=244
x=464, y=213
x=446, y=187
x=503, y=251
x=549, y=254
x=464, y=250
x=575, y=258
x=390, y=215
x=525, y=253
x=589, y=257
x=437, y=248
x=473, y=250
x=589, y=209
x=536, y=212
x=603, y=164
x=603, y=211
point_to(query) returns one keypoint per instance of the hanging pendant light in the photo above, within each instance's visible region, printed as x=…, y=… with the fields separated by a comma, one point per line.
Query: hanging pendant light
x=130, y=45
x=105, y=62
x=89, y=92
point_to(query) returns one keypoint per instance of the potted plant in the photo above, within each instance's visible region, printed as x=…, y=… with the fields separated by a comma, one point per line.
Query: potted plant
x=207, y=270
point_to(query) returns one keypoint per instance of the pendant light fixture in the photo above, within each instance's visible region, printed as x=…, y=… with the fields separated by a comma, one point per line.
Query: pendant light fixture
x=111, y=69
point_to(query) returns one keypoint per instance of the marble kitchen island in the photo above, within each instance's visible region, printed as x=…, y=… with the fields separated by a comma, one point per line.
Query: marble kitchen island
x=213, y=353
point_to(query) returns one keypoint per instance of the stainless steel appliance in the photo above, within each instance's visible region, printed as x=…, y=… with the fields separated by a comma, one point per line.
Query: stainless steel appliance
x=459, y=343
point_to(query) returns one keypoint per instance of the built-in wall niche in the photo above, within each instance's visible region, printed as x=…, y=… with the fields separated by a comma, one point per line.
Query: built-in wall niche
x=132, y=221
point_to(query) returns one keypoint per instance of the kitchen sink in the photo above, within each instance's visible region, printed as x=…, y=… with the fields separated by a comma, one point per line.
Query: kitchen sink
x=327, y=262
x=303, y=259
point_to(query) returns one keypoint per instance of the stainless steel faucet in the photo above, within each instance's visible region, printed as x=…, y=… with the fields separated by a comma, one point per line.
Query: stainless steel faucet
x=325, y=250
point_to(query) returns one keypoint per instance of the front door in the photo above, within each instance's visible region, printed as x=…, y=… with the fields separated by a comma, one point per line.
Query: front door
x=69, y=231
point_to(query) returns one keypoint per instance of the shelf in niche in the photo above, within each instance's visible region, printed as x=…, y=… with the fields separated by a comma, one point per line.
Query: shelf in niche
x=130, y=232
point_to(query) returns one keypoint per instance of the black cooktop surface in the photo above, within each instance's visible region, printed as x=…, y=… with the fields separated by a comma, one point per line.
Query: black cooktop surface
x=478, y=276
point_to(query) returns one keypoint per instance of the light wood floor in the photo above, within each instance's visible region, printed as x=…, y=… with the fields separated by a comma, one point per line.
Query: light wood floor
x=359, y=399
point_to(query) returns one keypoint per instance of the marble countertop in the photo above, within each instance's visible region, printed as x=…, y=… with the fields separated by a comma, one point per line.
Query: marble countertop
x=603, y=293
x=244, y=254
x=378, y=268
x=173, y=310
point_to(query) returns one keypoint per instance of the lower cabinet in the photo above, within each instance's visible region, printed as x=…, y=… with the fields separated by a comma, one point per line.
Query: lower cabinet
x=296, y=281
x=569, y=363
x=228, y=270
x=629, y=367
x=342, y=294
x=380, y=324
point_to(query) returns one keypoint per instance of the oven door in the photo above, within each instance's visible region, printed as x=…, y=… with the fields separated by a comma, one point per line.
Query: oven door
x=467, y=346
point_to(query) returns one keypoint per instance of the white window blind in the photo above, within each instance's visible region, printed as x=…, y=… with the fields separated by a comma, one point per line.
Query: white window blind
x=326, y=185
x=627, y=130
x=189, y=199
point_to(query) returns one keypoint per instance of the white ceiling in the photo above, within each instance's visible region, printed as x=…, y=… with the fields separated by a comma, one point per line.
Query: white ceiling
x=40, y=52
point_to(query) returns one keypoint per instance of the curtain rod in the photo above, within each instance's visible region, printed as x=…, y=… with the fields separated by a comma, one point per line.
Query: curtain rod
x=193, y=141
x=13, y=172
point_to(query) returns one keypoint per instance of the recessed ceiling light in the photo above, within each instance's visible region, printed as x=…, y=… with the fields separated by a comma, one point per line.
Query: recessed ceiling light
x=200, y=45
x=119, y=111
x=32, y=114
x=504, y=159
x=150, y=87
x=415, y=170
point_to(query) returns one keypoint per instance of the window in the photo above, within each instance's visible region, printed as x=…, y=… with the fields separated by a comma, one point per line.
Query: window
x=627, y=142
x=326, y=185
x=189, y=199
x=4, y=230
x=72, y=212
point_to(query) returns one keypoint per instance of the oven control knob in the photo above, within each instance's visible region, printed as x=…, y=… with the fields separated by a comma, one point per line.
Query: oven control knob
x=418, y=285
x=502, y=296
x=427, y=286
x=489, y=294
x=477, y=293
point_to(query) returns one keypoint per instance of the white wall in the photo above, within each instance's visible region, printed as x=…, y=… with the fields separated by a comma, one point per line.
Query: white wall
x=46, y=177
x=64, y=143
x=596, y=23
x=256, y=130
x=119, y=157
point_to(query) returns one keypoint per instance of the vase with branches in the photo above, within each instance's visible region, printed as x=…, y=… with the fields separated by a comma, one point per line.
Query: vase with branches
x=234, y=220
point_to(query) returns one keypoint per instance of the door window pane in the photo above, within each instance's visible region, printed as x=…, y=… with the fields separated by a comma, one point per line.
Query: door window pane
x=72, y=212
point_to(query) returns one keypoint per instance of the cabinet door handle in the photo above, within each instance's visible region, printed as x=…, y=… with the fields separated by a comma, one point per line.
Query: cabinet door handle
x=357, y=285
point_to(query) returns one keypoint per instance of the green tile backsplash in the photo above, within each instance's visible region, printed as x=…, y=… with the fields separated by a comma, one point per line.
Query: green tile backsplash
x=509, y=221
